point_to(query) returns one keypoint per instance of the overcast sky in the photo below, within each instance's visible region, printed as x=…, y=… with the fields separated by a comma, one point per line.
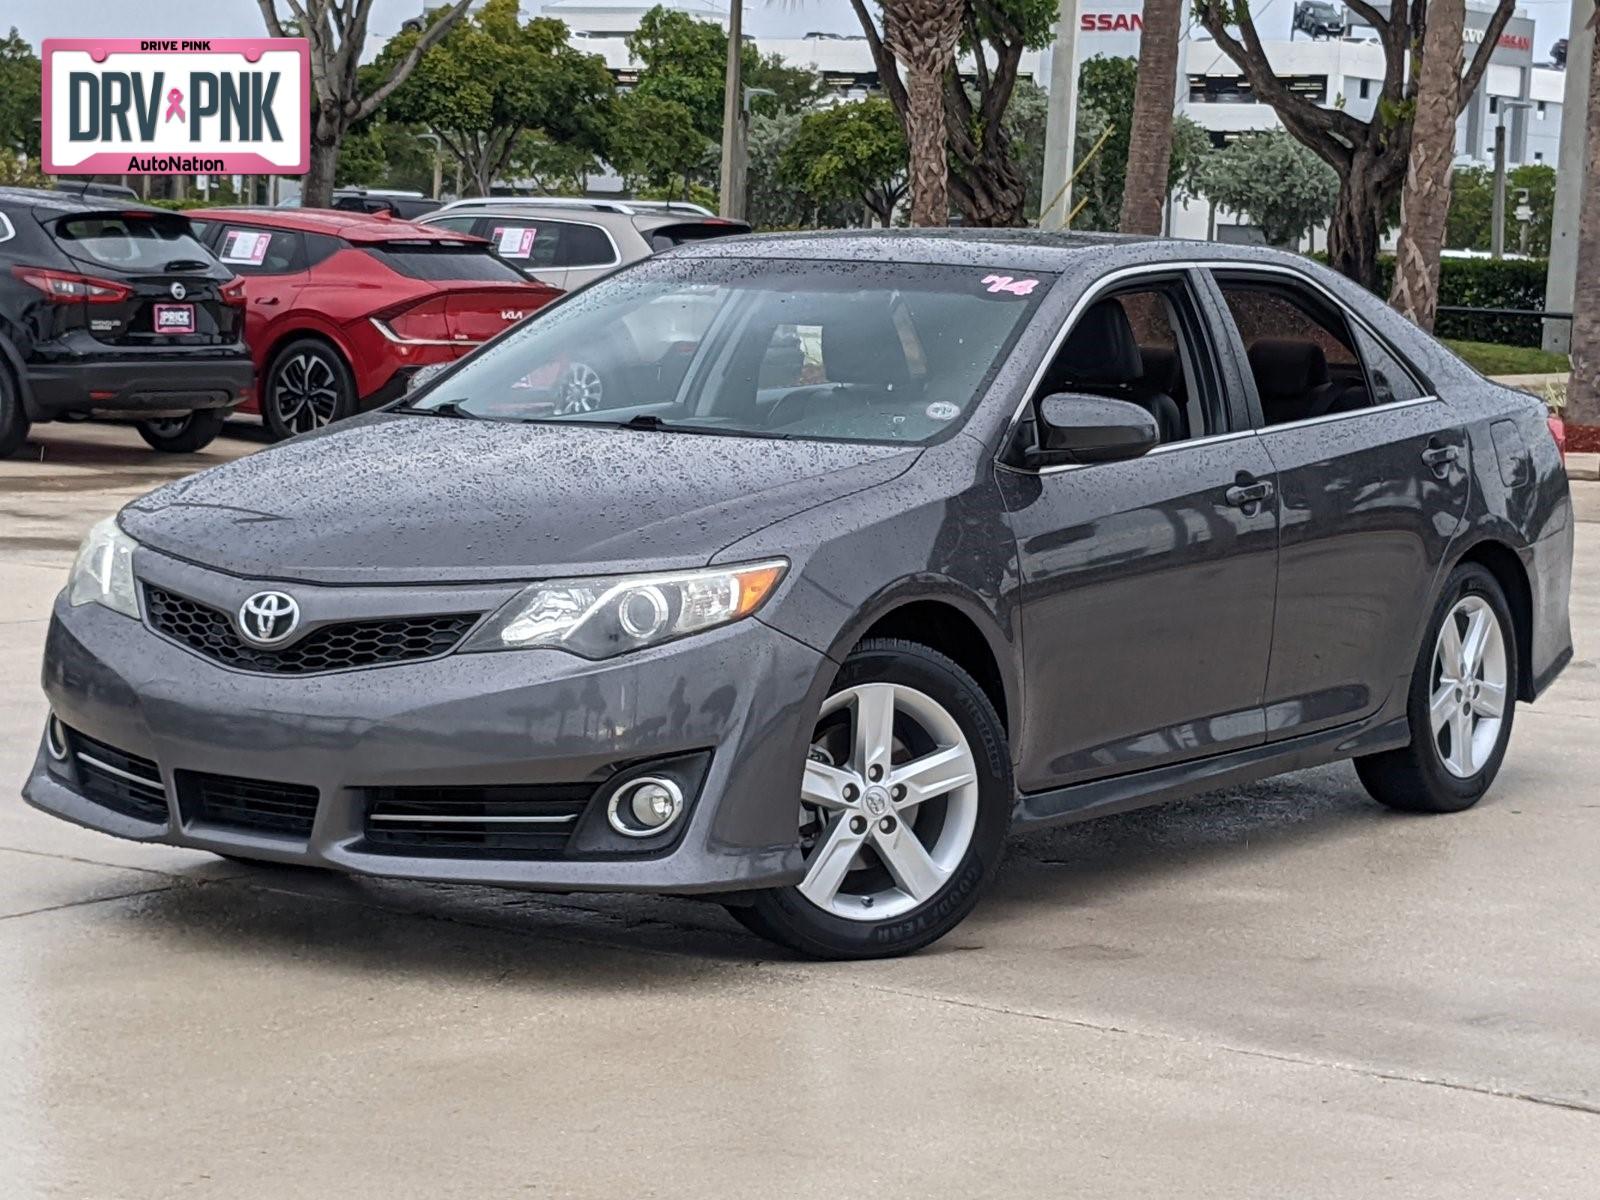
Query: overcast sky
x=39, y=19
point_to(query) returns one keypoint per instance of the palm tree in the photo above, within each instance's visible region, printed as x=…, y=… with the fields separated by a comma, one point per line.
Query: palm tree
x=1425, y=202
x=1154, y=97
x=922, y=34
x=1583, y=388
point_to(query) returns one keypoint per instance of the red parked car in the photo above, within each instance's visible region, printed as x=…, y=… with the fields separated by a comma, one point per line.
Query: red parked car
x=341, y=308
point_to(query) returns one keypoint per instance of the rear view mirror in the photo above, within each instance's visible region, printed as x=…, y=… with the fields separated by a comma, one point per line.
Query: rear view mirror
x=1088, y=429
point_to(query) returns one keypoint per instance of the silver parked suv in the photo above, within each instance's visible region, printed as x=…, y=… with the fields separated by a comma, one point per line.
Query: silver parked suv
x=570, y=242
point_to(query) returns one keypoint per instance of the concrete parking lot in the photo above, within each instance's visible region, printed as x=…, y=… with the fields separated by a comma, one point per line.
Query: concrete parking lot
x=1276, y=991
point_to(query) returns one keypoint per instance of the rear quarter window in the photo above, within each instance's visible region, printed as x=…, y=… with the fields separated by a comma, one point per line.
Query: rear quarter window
x=442, y=261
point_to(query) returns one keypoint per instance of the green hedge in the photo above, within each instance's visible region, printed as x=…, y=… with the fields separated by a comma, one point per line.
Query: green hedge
x=1485, y=283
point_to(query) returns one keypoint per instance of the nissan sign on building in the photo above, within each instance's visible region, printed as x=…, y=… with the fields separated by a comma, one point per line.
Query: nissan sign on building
x=176, y=106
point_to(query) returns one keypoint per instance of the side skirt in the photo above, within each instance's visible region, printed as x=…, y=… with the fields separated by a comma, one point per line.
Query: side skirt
x=1121, y=793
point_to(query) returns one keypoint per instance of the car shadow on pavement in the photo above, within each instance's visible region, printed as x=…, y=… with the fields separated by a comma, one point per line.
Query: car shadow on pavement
x=310, y=917
x=1076, y=864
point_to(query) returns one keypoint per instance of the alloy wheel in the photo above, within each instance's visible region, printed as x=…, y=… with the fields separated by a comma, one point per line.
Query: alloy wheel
x=168, y=427
x=582, y=389
x=306, y=392
x=888, y=804
x=1467, y=697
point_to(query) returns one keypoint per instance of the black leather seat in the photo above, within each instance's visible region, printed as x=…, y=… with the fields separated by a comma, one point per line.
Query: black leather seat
x=1293, y=382
x=1163, y=376
x=1102, y=356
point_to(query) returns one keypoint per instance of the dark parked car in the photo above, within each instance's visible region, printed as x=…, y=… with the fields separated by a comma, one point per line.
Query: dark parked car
x=1319, y=19
x=114, y=310
x=921, y=540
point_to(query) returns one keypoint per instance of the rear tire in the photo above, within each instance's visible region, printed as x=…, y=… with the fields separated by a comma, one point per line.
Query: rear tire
x=909, y=825
x=307, y=386
x=1461, y=704
x=14, y=422
x=184, y=435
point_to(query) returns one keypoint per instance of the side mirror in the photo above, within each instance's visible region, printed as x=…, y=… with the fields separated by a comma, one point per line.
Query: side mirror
x=1089, y=429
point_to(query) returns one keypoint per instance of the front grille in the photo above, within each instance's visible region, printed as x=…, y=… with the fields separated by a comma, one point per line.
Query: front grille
x=210, y=632
x=117, y=780
x=253, y=805
x=474, y=822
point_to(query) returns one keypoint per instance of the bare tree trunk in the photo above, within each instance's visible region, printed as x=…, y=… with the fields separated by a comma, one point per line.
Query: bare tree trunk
x=1144, y=193
x=930, y=169
x=1425, y=203
x=1583, y=388
x=316, y=185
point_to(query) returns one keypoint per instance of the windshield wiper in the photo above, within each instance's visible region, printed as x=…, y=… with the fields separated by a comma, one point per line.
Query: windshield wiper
x=450, y=408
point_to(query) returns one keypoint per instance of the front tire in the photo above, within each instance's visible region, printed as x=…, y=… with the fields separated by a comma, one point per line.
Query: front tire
x=903, y=809
x=307, y=386
x=183, y=435
x=1462, y=701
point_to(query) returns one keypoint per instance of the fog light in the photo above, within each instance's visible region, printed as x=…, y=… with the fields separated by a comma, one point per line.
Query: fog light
x=645, y=806
x=55, y=739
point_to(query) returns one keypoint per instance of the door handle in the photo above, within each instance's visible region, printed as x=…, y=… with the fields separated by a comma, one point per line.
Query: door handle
x=1242, y=494
x=266, y=301
x=1439, y=457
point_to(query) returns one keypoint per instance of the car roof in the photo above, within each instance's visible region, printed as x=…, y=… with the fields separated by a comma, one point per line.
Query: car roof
x=983, y=249
x=366, y=228
x=71, y=201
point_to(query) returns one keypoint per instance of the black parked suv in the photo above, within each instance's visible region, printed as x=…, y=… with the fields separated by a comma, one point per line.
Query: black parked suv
x=1320, y=19
x=115, y=309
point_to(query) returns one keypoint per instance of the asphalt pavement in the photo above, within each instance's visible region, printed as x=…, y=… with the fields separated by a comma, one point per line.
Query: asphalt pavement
x=1275, y=991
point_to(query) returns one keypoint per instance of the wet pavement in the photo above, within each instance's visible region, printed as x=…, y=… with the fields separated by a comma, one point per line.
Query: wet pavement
x=1274, y=991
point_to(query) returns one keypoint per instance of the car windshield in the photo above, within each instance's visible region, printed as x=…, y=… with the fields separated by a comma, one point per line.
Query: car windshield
x=852, y=351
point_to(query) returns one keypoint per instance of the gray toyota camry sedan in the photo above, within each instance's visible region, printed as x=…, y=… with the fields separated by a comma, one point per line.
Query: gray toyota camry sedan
x=881, y=547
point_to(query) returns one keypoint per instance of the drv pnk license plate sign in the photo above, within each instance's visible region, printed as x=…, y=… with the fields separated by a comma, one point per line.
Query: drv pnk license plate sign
x=208, y=106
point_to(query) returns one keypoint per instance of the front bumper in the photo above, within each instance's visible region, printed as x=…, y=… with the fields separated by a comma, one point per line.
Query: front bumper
x=745, y=694
x=138, y=386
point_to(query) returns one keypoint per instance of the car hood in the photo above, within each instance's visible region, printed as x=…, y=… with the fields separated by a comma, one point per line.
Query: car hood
x=410, y=499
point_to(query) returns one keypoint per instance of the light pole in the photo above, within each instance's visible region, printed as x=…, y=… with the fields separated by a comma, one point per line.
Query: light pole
x=1061, y=128
x=438, y=166
x=728, y=178
x=1497, y=225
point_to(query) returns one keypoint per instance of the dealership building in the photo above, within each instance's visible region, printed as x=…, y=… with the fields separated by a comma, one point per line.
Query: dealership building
x=1347, y=73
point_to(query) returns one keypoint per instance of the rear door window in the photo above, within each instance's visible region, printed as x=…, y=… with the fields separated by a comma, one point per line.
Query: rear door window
x=444, y=260
x=529, y=245
x=1299, y=348
x=252, y=251
x=132, y=243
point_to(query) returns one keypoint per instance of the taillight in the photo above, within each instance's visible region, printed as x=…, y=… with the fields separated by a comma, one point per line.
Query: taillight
x=424, y=322
x=1558, y=431
x=65, y=288
x=233, y=292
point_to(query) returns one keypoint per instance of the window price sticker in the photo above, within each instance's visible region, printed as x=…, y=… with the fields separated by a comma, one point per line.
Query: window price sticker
x=514, y=241
x=245, y=246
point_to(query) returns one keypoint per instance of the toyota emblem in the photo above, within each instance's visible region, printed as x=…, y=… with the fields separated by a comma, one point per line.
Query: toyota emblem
x=178, y=291
x=268, y=617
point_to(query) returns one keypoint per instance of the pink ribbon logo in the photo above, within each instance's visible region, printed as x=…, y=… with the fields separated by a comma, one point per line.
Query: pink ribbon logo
x=175, y=105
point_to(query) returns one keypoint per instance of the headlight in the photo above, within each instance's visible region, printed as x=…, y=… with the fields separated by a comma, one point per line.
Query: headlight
x=600, y=617
x=103, y=572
